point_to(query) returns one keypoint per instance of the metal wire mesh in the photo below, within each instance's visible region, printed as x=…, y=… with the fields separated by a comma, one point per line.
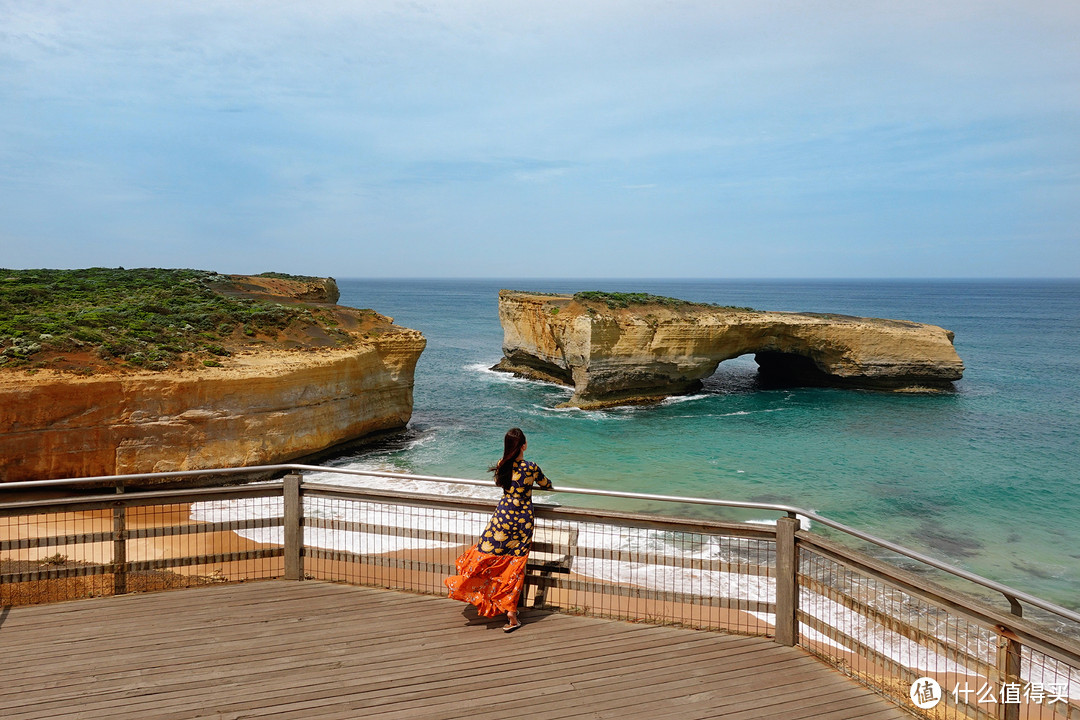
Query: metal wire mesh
x=48, y=557
x=890, y=640
x=51, y=555
x=383, y=544
x=214, y=541
x=658, y=575
x=1047, y=687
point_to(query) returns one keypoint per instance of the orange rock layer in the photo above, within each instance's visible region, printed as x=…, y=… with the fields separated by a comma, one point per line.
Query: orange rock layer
x=264, y=407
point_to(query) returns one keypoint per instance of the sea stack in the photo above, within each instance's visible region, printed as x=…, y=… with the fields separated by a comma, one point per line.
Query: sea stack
x=617, y=349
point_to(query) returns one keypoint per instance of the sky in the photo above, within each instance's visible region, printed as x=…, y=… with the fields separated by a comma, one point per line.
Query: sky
x=506, y=138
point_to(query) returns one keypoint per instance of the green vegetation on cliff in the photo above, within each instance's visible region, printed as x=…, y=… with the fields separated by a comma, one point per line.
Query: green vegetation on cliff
x=286, y=276
x=142, y=318
x=624, y=300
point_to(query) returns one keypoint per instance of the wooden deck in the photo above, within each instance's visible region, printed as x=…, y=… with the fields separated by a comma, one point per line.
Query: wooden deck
x=278, y=649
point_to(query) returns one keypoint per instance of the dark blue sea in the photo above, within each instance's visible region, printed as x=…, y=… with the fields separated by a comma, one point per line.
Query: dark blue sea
x=985, y=478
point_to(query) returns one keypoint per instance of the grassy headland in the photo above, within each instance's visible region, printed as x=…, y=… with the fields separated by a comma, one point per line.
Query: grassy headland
x=151, y=319
x=616, y=300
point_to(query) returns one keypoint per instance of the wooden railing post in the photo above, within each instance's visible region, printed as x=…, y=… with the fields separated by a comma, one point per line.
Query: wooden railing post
x=294, y=528
x=119, y=558
x=1008, y=664
x=787, y=588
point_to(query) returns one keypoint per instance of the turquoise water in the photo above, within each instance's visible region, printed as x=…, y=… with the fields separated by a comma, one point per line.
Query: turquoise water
x=985, y=478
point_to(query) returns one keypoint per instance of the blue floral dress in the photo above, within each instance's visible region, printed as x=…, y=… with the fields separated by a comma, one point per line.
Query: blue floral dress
x=492, y=572
x=510, y=530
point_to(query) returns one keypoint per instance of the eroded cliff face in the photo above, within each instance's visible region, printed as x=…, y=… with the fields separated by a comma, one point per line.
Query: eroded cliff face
x=646, y=352
x=264, y=404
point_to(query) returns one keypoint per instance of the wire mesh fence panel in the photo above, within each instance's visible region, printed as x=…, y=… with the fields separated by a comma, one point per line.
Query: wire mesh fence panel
x=895, y=642
x=659, y=575
x=384, y=544
x=1048, y=687
x=133, y=544
x=885, y=637
x=666, y=576
x=55, y=556
x=214, y=541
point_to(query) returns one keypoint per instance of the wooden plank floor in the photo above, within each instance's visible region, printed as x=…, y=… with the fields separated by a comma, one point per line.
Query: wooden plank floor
x=278, y=649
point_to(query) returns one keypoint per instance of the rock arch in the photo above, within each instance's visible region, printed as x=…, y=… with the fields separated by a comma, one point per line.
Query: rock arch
x=645, y=351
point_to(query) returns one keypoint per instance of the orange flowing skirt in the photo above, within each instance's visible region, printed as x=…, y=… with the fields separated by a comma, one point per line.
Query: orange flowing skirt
x=490, y=582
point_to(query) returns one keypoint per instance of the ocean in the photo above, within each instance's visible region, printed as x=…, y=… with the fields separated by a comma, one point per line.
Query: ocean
x=984, y=478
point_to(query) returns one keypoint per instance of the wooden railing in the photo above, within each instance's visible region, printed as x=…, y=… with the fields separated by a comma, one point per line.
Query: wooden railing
x=885, y=626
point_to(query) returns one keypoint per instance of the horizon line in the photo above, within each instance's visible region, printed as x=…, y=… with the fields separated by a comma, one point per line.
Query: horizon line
x=713, y=279
x=638, y=278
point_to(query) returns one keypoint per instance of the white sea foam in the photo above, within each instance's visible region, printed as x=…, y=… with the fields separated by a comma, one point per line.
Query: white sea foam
x=734, y=413
x=347, y=511
x=568, y=409
x=594, y=415
x=504, y=377
x=677, y=399
x=496, y=375
x=739, y=413
x=425, y=487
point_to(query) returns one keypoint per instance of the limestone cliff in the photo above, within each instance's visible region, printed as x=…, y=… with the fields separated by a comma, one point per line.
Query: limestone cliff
x=260, y=401
x=647, y=351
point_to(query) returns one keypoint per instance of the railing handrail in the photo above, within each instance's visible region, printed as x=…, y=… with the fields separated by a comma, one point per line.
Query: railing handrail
x=1012, y=594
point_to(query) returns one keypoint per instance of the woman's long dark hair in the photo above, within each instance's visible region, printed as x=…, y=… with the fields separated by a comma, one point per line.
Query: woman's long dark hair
x=504, y=469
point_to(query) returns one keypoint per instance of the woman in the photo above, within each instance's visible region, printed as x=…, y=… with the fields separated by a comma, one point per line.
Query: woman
x=491, y=572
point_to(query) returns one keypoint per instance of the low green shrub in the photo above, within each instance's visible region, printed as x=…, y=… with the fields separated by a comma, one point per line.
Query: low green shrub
x=616, y=300
x=159, y=314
